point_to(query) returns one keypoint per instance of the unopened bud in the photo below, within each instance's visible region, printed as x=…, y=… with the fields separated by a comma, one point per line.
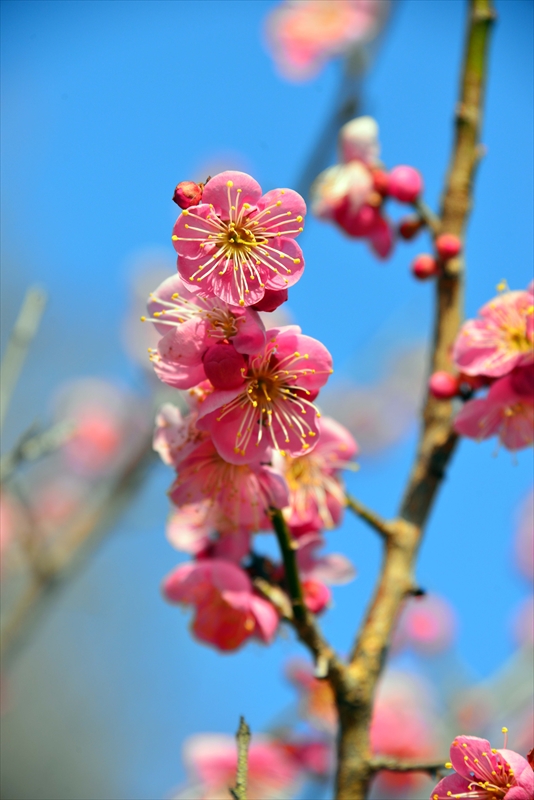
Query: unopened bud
x=271, y=300
x=448, y=246
x=224, y=367
x=409, y=227
x=405, y=184
x=424, y=266
x=380, y=181
x=443, y=385
x=188, y=194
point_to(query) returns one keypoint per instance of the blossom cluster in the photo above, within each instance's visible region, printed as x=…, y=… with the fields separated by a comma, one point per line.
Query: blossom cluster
x=252, y=439
x=495, y=351
x=353, y=193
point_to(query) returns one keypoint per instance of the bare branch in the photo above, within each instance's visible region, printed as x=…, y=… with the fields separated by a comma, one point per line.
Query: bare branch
x=31, y=447
x=24, y=330
x=374, y=520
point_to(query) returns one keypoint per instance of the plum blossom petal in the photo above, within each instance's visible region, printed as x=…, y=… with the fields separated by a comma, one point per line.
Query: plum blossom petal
x=503, y=337
x=175, y=436
x=235, y=244
x=343, y=183
x=504, y=412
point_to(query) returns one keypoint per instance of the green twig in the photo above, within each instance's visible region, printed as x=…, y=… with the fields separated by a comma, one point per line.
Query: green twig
x=243, y=737
x=374, y=520
x=287, y=547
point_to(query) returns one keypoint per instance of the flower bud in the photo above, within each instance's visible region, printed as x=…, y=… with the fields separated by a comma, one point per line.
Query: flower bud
x=443, y=385
x=271, y=300
x=409, y=227
x=188, y=194
x=448, y=246
x=380, y=181
x=224, y=366
x=424, y=266
x=405, y=184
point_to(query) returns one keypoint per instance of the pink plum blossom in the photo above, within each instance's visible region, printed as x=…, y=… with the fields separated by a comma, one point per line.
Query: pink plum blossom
x=176, y=436
x=242, y=493
x=503, y=412
x=190, y=324
x=211, y=761
x=273, y=408
x=200, y=529
x=501, y=339
x=227, y=610
x=237, y=243
x=483, y=773
x=316, y=494
x=303, y=34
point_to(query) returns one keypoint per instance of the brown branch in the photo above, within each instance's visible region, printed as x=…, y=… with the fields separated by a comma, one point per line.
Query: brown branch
x=243, y=737
x=374, y=520
x=437, y=440
x=430, y=219
x=32, y=446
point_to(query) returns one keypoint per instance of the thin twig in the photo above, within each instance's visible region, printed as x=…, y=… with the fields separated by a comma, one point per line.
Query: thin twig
x=24, y=330
x=374, y=520
x=392, y=765
x=31, y=447
x=243, y=737
x=328, y=664
x=431, y=220
x=50, y=571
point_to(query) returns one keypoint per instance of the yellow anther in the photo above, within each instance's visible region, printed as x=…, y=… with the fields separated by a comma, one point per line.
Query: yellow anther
x=245, y=205
x=502, y=286
x=296, y=261
x=278, y=202
x=158, y=313
x=504, y=730
x=306, y=355
x=187, y=226
x=493, y=750
x=282, y=452
x=282, y=191
x=143, y=319
x=229, y=184
x=174, y=238
x=241, y=302
x=185, y=212
x=299, y=218
x=233, y=208
x=464, y=744
x=240, y=190
x=448, y=765
x=175, y=296
x=300, y=230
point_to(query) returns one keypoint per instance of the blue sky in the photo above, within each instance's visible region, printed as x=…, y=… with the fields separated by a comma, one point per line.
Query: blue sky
x=105, y=107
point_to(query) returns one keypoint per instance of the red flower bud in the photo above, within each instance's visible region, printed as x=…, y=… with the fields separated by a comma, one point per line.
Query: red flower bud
x=448, y=246
x=409, y=227
x=424, y=266
x=380, y=181
x=188, y=194
x=405, y=184
x=224, y=366
x=271, y=300
x=443, y=385
x=316, y=595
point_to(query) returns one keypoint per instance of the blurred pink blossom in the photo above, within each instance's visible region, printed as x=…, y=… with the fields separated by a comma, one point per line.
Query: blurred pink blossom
x=303, y=34
x=427, y=624
x=524, y=539
x=211, y=761
x=227, y=610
